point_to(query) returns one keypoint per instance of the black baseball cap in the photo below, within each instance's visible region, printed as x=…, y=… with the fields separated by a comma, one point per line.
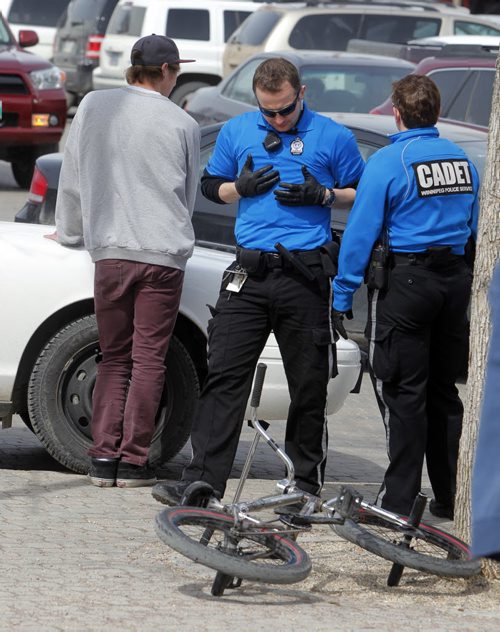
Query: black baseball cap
x=155, y=50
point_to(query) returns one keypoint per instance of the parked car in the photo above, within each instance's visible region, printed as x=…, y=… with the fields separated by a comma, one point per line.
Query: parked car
x=77, y=43
x=50, y=347
x=336, y=82
x=331, y=25
x=33, y=104
x=38, y=15
x=464, y=81
x=199, y=28
x=416, y=50
x=214, y=223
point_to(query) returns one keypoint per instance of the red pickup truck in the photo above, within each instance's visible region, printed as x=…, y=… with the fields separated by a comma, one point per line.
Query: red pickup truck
x=32, y=104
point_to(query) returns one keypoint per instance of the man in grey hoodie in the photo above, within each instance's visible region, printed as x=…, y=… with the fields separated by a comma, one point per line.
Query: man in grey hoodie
x=126, y=193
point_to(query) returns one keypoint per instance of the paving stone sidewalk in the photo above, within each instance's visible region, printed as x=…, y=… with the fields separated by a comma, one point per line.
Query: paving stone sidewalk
x=78, y=558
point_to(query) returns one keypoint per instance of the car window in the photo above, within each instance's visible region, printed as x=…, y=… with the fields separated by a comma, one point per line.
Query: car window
x=36, y=13
x=348, y=88
x=85, y=10
x=448, y=81
x=482, y=97
x=240, y=86
x=398, y=29
x=367, y=149
x=4, y=34
x=473, y=103
x=461, y=27
x=193, y=24
x=127, y=19
x=325, y=31
x=256, y=28
x=232, y=21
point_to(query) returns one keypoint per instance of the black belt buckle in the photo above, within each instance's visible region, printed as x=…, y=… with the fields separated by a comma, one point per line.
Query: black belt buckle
x=273, y=260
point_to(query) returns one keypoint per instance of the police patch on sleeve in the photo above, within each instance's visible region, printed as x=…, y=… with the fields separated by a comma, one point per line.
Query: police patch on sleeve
x=443, y=177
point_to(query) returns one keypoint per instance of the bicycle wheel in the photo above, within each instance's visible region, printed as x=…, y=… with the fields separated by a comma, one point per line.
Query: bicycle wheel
x=431, y=550
x=255, y=554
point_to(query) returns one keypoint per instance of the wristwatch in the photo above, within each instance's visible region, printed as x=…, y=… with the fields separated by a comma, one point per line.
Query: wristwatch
x=330, y=198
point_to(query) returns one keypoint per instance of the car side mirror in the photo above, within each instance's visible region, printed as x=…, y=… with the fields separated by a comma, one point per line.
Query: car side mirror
x=28, y=38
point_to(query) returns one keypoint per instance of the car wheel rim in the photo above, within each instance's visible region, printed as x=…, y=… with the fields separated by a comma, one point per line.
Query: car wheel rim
x=77, y=385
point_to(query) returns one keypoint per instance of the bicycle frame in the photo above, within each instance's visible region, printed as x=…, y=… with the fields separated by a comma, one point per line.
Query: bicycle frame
x=345, y=504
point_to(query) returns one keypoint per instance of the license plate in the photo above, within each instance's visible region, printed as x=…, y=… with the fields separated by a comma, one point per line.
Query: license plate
x=114, y=58
x=68, y=46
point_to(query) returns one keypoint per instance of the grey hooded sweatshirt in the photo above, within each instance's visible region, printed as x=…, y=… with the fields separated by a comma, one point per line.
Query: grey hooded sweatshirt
x=128, y=179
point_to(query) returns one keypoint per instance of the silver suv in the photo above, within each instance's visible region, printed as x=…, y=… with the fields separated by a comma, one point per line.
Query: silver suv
x=331, y=25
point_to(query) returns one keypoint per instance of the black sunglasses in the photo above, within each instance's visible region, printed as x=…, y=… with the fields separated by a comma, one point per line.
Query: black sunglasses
x=283, y=112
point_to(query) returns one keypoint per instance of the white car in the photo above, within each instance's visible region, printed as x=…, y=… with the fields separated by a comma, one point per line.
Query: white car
x=50, y=347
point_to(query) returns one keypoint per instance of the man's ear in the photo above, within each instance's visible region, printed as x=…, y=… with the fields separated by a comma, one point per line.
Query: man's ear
x=397, y=116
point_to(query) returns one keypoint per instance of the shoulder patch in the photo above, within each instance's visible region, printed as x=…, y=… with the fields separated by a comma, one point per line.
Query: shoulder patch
x=443, y=177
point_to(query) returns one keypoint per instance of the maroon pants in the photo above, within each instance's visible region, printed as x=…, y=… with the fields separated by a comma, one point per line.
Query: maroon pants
x=136, y=306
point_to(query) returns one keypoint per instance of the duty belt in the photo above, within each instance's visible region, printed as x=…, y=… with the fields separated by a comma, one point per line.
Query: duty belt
x=432, y=257
x=275, y=260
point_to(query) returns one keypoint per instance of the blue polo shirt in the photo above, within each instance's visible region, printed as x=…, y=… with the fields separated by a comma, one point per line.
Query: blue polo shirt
x=424, y=189
x=329, y=151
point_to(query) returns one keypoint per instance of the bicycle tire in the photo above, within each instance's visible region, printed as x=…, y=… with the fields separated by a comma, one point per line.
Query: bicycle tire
x=431, y=549
x=260, y=555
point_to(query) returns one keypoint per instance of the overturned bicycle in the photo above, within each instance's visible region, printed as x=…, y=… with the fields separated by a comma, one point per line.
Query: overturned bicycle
x=231, y=538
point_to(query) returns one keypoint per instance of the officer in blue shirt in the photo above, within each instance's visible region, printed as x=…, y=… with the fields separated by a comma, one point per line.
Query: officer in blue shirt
x=418, y=199
x=285, y=165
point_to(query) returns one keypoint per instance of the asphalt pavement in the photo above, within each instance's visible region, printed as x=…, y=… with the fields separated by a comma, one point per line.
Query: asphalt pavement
x=77, y=557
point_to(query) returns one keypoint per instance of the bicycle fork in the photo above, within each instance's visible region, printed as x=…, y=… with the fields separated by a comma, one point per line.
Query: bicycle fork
x=414, y=519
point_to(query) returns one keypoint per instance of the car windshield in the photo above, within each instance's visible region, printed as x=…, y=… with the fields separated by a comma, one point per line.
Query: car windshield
x=85, y=10
x=256, y=28
x=5, y=38
x=127, y=19
x=348, y=88
x=36, y=13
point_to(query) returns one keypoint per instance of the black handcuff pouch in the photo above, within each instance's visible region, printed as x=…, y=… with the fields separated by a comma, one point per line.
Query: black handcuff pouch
x=252, y=261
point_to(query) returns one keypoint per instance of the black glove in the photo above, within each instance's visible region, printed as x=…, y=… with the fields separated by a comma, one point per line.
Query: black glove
x=250, y=183
x=338, y=321
x=311, y=192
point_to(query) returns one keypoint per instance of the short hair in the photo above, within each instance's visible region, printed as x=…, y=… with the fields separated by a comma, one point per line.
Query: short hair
x=272, y=73
x=151, y=74
x=418, y=100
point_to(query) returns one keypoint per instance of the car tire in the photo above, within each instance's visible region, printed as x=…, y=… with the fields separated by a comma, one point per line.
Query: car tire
x=181, y=94
x=60, y=396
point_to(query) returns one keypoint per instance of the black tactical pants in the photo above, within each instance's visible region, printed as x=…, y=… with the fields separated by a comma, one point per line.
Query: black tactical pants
x=298, y=312
x=417, y=335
